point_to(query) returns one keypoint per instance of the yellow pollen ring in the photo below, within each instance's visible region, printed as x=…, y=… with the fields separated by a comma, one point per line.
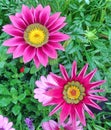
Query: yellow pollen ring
x=73, y=92
x=36, y=35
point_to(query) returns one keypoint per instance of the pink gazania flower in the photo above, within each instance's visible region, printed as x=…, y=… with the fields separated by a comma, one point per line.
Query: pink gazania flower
x=73, y=95
x=52, y=125
x=5, y=124
x=42, y=88
x=35, y=34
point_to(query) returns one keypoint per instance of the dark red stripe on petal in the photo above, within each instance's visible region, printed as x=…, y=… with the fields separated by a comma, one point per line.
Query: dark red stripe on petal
x=42, y=57
x=49, y=51
x=29, y=54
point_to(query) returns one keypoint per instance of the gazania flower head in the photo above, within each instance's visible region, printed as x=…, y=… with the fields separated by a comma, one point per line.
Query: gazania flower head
x=52, y=125
x=74, y=94
x=35, y=34
x=5, y=124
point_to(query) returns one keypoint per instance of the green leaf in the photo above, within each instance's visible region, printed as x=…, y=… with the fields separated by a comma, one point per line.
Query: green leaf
x=16, y=110
x=4, y=90
x=4, y=101
x=22, y=96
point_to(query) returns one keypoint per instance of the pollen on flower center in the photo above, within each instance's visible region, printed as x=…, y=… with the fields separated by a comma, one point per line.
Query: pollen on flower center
x=36, y=35
x=73, y=92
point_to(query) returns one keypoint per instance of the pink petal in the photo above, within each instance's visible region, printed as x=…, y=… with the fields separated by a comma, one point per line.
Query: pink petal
x=18, y=22
x=89, y=111
x=58, y=37
x=50, y=125
x=55, y=45
x=66, y=108
x=49, y=51
x=29, y=54
x=57, y=24
x=82, y=72
x=14, y=41
x=19, y=15
x=91, y=103
x=9, y=125
x=27, y=15
x=95, y=91
x=53, y=125
x=96, y=84
x=19, y=50
x=73, y=117
x=11, y=50
x=57, y=28
x=95, y=97
x=42, y=57
x=37, y=12
x=44, y=15
x=53, y=19
x=80, y=112
x=64, y=72
x=11, y=30
x=55, y=93
x=56, y=108
x=89, y=76
x=60, y=81
x=36, y=61
x=46, y=126
x=53, y=101
x=74, y=70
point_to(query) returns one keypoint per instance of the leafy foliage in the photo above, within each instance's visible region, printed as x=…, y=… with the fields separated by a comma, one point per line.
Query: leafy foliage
x=89, y=24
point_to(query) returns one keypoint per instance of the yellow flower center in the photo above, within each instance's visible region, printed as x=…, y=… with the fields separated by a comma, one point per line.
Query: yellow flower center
x=36, y=35
x=73, y=92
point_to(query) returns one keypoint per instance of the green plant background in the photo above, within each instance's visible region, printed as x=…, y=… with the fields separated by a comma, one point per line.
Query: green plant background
x=89, y=25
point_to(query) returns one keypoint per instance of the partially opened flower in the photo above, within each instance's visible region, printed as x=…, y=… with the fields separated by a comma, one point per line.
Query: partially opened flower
x=42, y=88
x=35, y=34
x=5, y=124
x=73, y=95
x=52, y=125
